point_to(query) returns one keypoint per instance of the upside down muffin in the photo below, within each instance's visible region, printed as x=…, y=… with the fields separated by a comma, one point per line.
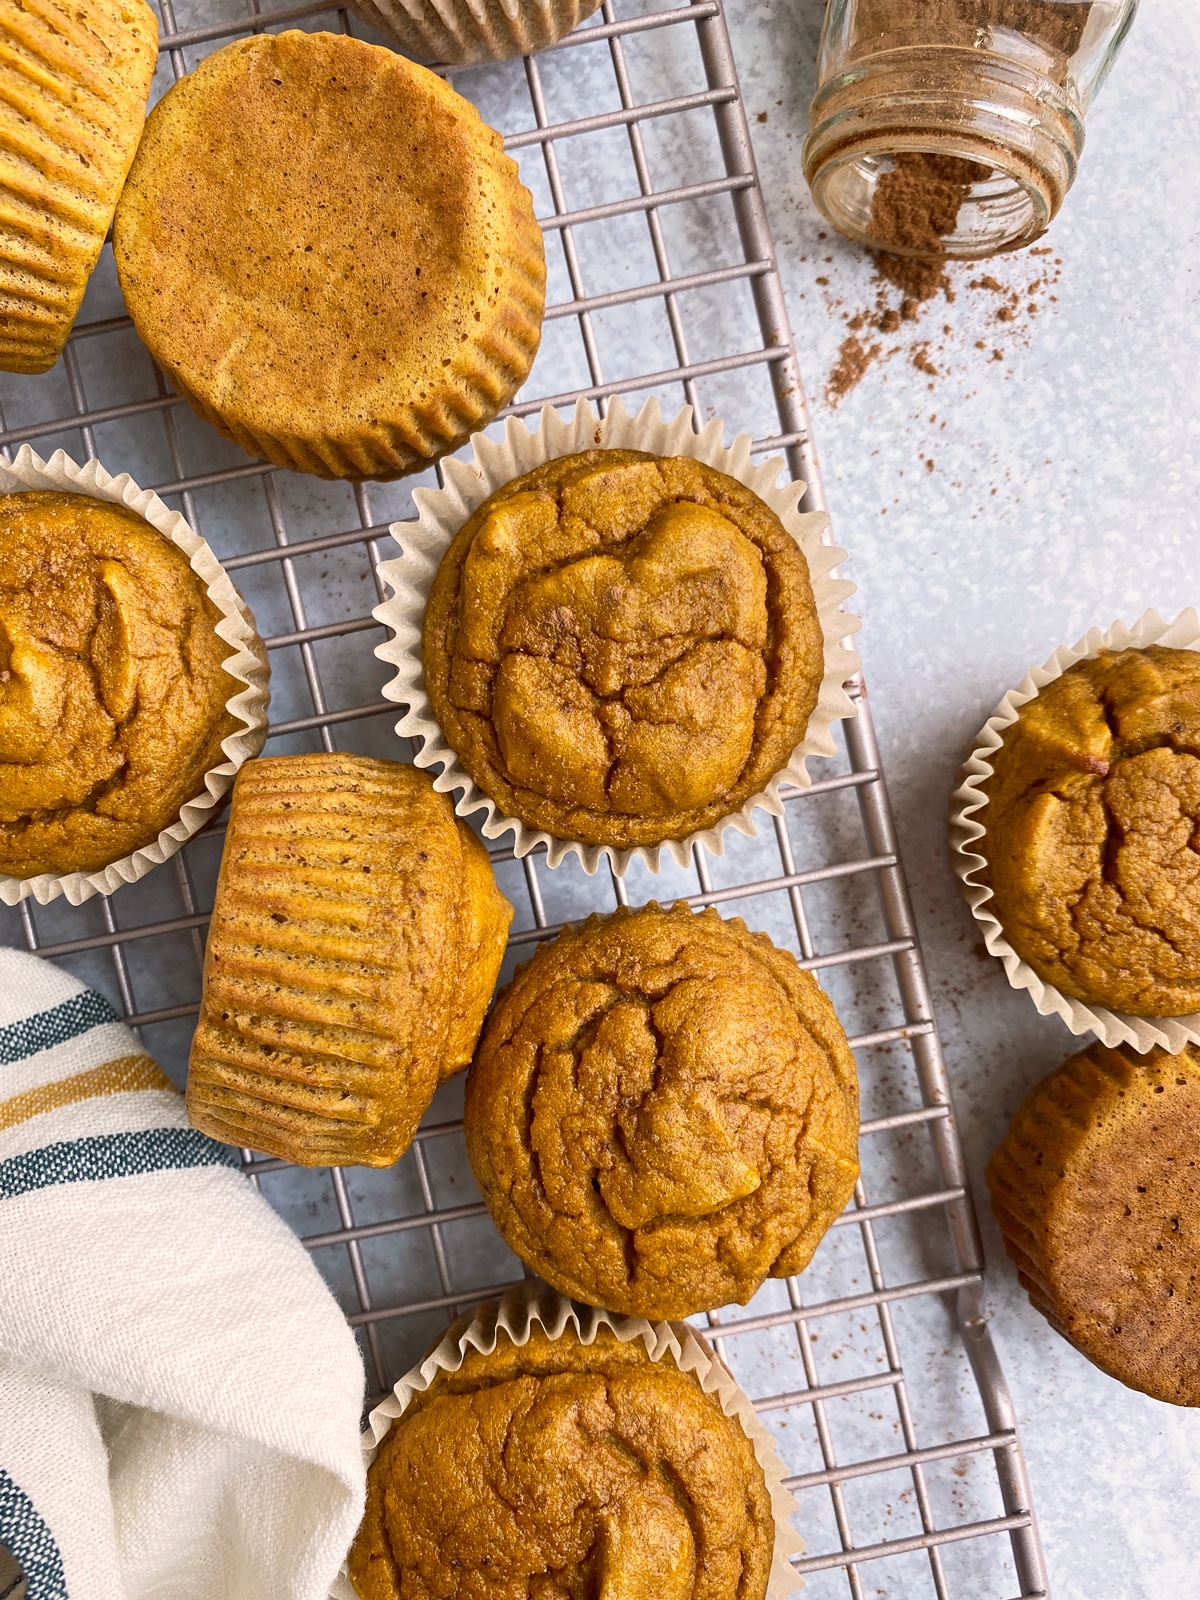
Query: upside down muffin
x=1094, y=1188
x=458, y=31
x=663, y=1112
x=331, y=255
x=73, y=85
x=556, y=1470
x=1091, y=828
x=355, y=940
x=621, y=647
x=113, y=692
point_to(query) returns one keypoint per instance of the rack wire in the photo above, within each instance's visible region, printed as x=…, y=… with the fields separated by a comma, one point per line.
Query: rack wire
x=662, y=280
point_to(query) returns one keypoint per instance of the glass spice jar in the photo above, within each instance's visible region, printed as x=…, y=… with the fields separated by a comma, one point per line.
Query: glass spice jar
x=953, y=128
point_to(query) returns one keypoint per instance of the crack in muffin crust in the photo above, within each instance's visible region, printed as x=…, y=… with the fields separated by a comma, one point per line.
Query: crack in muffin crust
x=113, y=690
x=1093, y=832
x=663, y=1112
x=556, y=1470
x=623, y=648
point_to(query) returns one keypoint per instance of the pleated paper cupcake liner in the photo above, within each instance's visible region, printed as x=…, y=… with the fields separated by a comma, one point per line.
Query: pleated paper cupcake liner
x=532, y=1304
x=460, y=31
x=968, y=830
x=442, y=512
x=247, y=663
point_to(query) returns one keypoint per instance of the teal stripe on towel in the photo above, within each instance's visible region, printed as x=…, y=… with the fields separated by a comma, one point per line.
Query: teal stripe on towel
x=112, y=1155
x=23, y=1530
x=80, y=1014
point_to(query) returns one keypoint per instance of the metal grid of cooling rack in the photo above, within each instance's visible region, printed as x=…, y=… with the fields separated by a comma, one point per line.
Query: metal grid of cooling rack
x=406, y=1250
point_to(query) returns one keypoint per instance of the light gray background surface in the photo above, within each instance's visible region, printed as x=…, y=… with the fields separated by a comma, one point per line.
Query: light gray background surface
x=1065, y=494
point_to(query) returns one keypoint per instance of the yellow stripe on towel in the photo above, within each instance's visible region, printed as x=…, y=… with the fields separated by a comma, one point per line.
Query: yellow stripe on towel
x=114, y=1077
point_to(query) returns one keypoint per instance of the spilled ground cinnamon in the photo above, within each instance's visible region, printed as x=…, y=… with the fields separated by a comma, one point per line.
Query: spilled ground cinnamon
x=1032, y=279
x=915, y=206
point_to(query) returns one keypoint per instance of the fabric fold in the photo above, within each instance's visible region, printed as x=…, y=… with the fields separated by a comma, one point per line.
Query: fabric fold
x=180, y=1396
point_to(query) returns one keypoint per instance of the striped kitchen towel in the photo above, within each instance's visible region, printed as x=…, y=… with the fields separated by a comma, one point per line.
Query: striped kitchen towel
x=179, y=1394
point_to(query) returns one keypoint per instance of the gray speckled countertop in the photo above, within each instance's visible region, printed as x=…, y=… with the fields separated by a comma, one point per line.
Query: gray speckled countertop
x=1065, y=492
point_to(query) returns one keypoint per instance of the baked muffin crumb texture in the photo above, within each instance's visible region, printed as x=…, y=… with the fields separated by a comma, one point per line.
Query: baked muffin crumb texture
x=623, y=648
x=331, y=255
x=113, y=692
x=1095, y=1189
x=1092, y=831
x=556, y=1470
x=663, y=1112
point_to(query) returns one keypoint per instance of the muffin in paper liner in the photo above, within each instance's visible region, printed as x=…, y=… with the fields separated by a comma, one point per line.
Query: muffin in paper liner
x=534, y=1302
x=967, y=831
x=247, y=663
x=457, y=32
x=442, y=513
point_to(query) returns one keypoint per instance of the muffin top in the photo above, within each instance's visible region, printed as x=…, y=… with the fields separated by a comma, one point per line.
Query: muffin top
x=1092, y=818
x=663, y=1112
x=329, y=251
x=356, y=936
x=623, y=648
x=556, y=1470
x=1095, y=1190
x=112, y=689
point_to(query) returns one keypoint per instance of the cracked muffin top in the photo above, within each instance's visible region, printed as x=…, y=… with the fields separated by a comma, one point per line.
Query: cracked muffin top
x=663, y=1112
x=623, y=648
x=1091, y=832
x=557, y=1470
x=1094, y=1188
x=112, y=689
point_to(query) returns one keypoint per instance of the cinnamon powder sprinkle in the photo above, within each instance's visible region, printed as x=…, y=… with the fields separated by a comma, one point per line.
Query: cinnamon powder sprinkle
x=853, y=359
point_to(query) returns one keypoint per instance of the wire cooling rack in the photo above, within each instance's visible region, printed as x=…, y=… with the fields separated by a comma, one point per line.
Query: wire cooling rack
x=875, y=1369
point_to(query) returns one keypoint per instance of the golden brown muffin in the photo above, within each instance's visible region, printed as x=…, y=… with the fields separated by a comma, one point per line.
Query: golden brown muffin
x=112, y=689
x=1092, y=818
x=663, y=1112
x=557, y=1470
x=623, y=648
x=354, y=945
x=331, y=255
x=1095, y=1191
x=469, y=30
x=73, y=87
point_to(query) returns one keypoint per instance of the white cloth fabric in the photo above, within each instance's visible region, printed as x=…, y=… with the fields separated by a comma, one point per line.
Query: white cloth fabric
x=180, y=1397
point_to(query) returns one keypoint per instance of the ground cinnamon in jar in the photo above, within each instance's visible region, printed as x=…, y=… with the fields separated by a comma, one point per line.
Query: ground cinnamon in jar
x=914, y=207
x=1057, y=25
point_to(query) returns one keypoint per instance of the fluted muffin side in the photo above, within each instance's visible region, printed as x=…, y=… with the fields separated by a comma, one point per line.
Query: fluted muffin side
x=1094, y=1189
x=73, y=87
x=353, y=948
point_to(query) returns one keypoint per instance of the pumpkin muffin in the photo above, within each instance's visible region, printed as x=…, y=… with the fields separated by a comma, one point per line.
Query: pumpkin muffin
x=466, y=31
x=1092, y=815
x=663, y=1112
x=1095, y=1191
x=73, y=86
x=623, y=648
x=112, y=690
x=331, y=255
x=355, y=940
x=556, y=1469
